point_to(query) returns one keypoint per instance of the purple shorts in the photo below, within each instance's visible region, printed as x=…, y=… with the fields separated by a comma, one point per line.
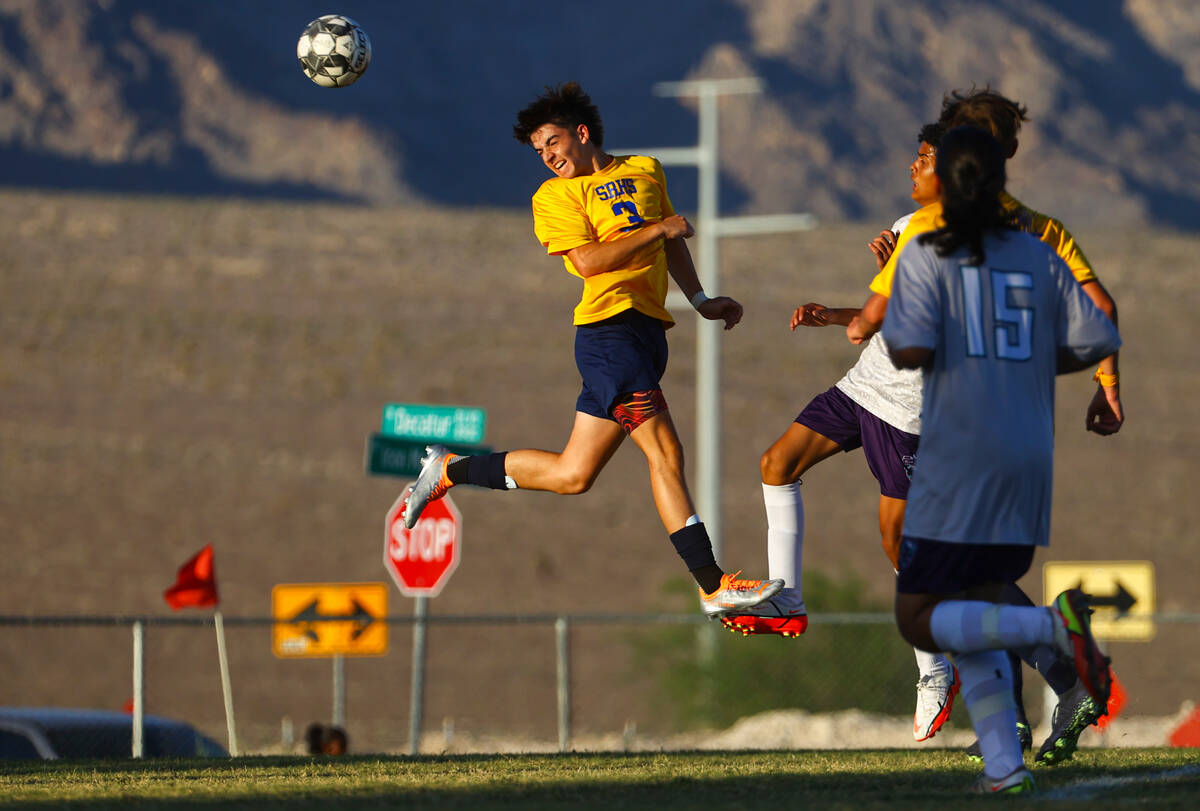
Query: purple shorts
x=942, y=567
x=891, y=453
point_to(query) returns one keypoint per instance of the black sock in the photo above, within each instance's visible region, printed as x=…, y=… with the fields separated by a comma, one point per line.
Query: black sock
x=482, y=471
x=1058, y=673
x=695, y=548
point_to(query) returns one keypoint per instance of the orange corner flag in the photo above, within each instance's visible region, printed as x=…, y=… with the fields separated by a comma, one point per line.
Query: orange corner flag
x=196, y=583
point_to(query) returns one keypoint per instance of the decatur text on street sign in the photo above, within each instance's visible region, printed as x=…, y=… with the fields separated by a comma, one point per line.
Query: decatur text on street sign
x=434, y=423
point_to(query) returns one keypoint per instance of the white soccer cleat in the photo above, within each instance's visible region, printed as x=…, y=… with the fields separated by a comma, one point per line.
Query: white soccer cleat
x=432, y=483
x=736, y=595
x=784, y=614
x=935, y=700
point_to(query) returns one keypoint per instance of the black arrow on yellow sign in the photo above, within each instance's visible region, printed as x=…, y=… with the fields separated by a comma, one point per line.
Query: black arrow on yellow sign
x=1121, y=599
x=310, y=614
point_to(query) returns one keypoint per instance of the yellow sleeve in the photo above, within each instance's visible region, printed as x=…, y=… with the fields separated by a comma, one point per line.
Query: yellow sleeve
x=923, y=221
x=1055, y=234
x=559, y=222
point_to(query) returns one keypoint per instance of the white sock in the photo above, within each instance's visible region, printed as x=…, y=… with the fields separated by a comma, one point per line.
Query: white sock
x=987, y=689
x=785, y=533
x=966, y=626
x=932, y=664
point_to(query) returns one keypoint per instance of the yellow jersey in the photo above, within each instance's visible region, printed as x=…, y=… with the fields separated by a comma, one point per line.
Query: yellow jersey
x=1047, y=229
x=601, y=207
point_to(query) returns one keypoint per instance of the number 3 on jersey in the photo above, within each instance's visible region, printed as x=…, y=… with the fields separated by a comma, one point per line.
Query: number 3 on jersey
x=626, y=207
x=1014, y=324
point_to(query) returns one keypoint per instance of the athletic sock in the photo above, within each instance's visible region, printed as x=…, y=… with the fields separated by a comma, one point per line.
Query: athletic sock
x=932, y=664
x=695, y=548
x=485, y=470
x=987, y=692
x=966, y=626
x=785, y=533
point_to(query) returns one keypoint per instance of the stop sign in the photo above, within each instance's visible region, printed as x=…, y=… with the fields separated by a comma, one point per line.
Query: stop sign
x=422, y=559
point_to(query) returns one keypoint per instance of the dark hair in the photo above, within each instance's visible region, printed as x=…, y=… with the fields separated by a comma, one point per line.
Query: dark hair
x=970, y=168
x=564, y=106
x=931, y=134
x=987, y=110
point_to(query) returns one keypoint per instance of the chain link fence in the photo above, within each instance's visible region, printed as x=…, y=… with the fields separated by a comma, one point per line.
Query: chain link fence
x=540, y=682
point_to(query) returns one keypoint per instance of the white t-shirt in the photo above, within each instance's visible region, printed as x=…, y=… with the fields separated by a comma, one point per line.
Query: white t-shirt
x=893, y=395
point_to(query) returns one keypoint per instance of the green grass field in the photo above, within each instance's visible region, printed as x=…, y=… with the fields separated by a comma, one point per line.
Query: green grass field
x=893, y=779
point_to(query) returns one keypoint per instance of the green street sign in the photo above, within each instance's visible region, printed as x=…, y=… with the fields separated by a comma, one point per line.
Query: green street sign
x=434, y=422
x=392, y=456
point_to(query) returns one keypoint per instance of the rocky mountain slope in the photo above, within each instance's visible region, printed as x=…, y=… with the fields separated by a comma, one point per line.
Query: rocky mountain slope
x=200, y=97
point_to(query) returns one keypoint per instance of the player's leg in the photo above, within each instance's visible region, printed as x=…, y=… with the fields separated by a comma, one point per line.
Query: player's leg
x=781, y=466
x=645, y=416
x=574, y=469
x=805, y=443
x=592, y=443
x=1074, y=711
x=891, y=456
x=938, y=582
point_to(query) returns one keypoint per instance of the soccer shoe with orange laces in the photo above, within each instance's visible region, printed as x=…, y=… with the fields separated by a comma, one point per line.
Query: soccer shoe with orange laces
x=783, y=614
x=431, y=484
x=1073, y=635
x=736, y=595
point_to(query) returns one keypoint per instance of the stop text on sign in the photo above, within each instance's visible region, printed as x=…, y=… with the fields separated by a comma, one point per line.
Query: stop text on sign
x=427, y=541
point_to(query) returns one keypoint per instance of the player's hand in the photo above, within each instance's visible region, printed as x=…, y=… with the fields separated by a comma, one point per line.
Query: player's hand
x=882, y=246
x=721, y=308
x=855, y=332
x=1105, y=415
x=676, y=226
x=810, y=315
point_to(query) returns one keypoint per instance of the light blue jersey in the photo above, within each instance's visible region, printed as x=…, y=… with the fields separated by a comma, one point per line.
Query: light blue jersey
x=985, y=469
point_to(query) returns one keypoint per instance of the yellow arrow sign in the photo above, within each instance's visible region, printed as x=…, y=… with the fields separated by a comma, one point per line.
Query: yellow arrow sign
x=1122, y=594
x=323, y=619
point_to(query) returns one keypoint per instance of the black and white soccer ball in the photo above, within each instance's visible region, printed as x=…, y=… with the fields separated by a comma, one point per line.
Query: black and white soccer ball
x=334, y=51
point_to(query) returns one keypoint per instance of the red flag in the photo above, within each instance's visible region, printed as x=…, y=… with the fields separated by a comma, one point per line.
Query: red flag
x=196, y=583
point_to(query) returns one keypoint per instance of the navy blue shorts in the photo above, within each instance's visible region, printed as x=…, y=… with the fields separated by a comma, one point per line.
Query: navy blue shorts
x=616, y=357
x=890, y=452
x=941, y=567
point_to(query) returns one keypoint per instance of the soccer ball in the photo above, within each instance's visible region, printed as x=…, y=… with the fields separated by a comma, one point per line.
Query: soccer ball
x=334, y=51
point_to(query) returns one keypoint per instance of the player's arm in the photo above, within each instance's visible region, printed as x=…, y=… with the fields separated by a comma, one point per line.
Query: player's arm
x=1105, y=414
x=601, y=257
x=818, y=315
x=683, y=271
x=869, y=319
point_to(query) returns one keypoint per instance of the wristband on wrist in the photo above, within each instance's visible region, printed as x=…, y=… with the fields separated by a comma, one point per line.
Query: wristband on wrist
x=1107, y=381
x=698, y=299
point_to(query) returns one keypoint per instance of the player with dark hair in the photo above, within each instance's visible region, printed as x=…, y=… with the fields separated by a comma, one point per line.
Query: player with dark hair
x=1002, y=117
x=991, y=315
x=610, y=219
x=878, y=408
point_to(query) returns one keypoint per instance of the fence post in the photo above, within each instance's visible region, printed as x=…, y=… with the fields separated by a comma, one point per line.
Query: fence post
x=564, y=683
x=339, y=691
x=139, y=687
